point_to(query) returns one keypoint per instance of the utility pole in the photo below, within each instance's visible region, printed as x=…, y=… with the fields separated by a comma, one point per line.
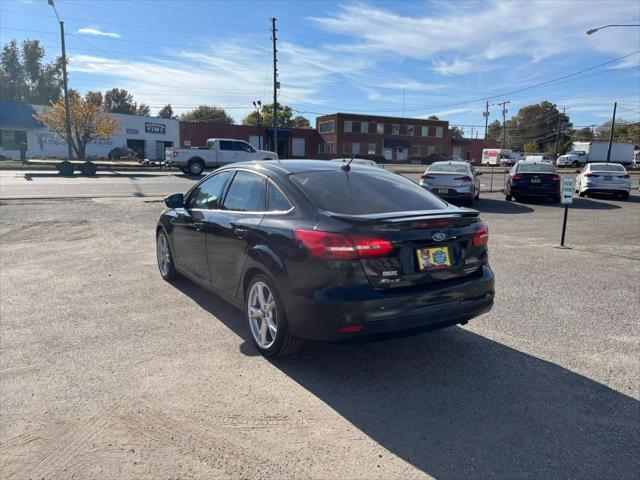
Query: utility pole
x=560, y=119
x=275, y=85
x=65, y=87
x=485, y=114
x=504, y=122
x=613, y=124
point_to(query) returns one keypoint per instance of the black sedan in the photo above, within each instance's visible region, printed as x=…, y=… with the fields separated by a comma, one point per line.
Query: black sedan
x=325, y=251
x=532, y=179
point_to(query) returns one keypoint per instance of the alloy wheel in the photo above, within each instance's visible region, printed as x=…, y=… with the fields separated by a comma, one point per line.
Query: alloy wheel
x=262, y=313
x=163, y=255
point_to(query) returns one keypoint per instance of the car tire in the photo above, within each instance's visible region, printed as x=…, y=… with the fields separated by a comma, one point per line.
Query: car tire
x=164, y=256
x=508, y=198
x=625, y=196
x=195, y=167
x=66, y=168
x=555, y=199
x=574, y=164
x=261, y=329
x=88, y=168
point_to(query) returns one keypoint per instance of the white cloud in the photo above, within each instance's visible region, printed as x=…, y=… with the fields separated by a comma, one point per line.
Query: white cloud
x=457, y=67
x=96, y=32
x=481, y=32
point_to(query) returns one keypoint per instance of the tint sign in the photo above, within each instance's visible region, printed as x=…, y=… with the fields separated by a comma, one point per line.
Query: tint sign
x=158, y=128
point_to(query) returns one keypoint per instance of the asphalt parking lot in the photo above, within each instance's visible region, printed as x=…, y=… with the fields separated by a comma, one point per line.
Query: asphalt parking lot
x=106, y=371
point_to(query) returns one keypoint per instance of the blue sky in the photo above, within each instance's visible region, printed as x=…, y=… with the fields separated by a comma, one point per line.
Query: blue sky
x=402, y=58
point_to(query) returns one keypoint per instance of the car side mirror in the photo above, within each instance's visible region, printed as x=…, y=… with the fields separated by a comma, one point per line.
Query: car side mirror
x=479, y=173
x=174, y=201
x=506, y=171
x=577, y=171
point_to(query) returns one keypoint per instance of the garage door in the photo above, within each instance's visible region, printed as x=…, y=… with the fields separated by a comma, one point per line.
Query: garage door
x=298, y=147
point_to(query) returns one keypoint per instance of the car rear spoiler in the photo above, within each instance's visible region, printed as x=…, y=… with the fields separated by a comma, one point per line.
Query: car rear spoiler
x=416, y=215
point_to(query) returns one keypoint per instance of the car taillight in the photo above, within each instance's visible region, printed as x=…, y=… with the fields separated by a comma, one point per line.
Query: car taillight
x=590, y=175
x=466, y=178
x=425, y=176
x=338, y=246
x=625, y=176
x=555, y=178
x=516, y=177
x=481, y=235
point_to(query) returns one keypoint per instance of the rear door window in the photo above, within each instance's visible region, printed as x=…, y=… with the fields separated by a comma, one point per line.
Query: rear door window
x=276, y=201
x=208, y=194
x=226, y=145
x=362, y=192
x=246, y=193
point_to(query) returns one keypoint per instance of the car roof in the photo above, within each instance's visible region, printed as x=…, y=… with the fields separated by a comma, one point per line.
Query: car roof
x=452, y=162
x=293, y=166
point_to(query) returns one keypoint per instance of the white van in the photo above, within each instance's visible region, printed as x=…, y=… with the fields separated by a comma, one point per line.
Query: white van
x=496, y=156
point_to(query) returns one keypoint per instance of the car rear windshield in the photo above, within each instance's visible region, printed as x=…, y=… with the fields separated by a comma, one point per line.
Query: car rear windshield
x=607, y=168
x=360, y=192
x=535, y=168
x=447, y=167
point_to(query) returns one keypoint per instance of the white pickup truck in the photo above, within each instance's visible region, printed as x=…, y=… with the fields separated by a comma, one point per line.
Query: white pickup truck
x=218, y=152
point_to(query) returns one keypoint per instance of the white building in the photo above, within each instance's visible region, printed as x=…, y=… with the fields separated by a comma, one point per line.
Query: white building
x=148, y=136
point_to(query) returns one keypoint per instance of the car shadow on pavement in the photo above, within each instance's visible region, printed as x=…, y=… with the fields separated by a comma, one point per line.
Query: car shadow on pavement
x=222, y=310
x=455, y=405
x=490, y=205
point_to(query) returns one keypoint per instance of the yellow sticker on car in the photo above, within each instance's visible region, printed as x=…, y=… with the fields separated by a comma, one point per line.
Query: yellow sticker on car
x=433, y=258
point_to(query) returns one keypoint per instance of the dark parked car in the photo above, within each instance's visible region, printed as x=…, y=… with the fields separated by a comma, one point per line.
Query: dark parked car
x=532, y=179
x=316, y=250
x=122, y=152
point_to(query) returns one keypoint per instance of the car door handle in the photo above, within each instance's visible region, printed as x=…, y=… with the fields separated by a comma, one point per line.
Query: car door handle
x=198, y=225
x=240, y=232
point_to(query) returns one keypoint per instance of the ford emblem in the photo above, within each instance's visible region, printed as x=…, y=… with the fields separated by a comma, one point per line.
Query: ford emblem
x=438, y=236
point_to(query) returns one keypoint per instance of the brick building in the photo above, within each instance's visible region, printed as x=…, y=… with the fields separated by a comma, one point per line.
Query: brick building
x=292, y=142
x=470, y=149
x=389, y=138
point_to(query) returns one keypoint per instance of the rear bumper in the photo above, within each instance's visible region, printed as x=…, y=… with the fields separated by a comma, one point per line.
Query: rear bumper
x=318, y=314
x=605, y=187
x=451, y=192
x=534, y=192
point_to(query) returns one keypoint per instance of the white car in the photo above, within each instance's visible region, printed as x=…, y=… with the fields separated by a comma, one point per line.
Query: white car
x=455, y=181
x=604, y=178
x=218, y=152
x=360, y=161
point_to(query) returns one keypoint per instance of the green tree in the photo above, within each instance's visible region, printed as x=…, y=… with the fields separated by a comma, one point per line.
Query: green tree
x=166, y=111
x=94, y=98
x=24, y=77
x=539, y=124
x=301, y=122
x=285, y=117
x=624, y=131
x=494, y=129
x=530, y=147
x=432, y=117
x=584, y=133
x=143, y=110
x=455, y=132
x=207, y=114
x=119, y=100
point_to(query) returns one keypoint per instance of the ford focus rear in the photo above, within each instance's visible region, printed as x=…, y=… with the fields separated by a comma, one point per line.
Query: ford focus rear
x=349, y=252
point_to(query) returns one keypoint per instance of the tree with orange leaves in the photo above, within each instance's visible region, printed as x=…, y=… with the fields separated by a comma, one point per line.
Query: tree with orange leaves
x=88, y=122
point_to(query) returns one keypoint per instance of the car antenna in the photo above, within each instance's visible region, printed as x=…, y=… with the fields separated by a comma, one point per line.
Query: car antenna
x=346, y=166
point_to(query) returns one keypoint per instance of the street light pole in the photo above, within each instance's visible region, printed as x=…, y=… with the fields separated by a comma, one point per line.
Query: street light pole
x=594, y=30
x=258, y=105
x=65, y=86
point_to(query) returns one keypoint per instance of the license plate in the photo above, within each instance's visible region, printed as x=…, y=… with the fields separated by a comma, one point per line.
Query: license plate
x=608, y=177
x=443, y=190
x=536, y=180
x=434, y=258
